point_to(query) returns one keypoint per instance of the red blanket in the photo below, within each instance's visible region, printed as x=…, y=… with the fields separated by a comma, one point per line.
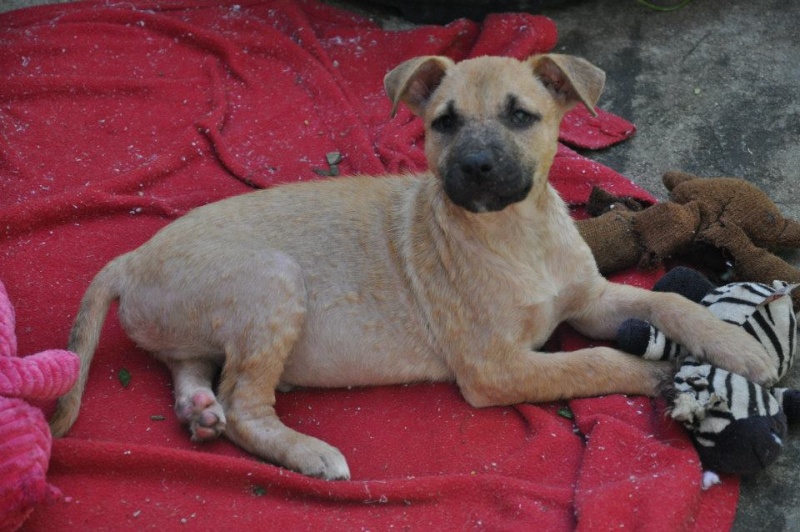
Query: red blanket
x=117, y=117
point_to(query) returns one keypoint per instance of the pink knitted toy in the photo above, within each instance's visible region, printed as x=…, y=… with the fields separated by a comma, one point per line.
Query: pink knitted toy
x=24, y=434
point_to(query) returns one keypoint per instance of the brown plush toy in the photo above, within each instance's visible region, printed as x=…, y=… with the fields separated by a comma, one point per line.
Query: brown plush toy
x=729, y=214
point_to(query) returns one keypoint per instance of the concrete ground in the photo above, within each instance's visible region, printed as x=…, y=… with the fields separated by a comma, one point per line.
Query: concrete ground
x=713, y=88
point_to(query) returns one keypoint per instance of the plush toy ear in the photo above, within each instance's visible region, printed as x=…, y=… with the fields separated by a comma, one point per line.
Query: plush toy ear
x=570, y=79
x=413, y=81
x=674, y=178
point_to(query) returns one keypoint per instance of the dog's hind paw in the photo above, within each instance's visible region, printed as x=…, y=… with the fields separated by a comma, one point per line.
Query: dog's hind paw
x=204, y=415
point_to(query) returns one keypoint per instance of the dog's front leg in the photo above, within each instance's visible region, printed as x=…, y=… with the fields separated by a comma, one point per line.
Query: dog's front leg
x=692, y=325
x=530, y=376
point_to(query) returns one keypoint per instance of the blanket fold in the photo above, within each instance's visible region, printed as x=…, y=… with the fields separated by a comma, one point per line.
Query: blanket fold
x=116, y=118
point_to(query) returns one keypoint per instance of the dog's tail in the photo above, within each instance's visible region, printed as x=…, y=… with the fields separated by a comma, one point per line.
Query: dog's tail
x=84, y=337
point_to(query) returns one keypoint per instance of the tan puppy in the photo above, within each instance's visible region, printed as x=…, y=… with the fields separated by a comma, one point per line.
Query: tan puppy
x=458, y=274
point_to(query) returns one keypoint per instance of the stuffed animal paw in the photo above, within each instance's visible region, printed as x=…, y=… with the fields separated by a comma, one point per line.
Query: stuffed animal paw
x=24, y=434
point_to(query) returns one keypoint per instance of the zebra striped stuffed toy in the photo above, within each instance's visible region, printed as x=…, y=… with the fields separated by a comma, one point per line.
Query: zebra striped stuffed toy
x=736, y=425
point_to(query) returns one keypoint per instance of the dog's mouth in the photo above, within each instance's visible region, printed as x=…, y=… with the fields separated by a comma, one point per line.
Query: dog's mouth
x=485, y=199
x=481, y=181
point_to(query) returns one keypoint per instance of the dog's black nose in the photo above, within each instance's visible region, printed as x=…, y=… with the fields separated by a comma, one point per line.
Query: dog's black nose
x=477, y=166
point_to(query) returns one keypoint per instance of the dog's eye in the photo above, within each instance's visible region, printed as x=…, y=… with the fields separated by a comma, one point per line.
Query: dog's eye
x=522, y=119
x=446, y=123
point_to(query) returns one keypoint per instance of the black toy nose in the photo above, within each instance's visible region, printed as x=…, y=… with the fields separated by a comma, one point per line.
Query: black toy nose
x=477, y=166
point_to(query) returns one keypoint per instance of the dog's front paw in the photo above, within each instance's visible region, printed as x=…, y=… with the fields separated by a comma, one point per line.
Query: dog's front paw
x=760, y=370
x=743, y=354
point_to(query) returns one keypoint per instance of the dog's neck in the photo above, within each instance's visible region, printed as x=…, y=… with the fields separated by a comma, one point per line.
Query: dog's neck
x=530, y=221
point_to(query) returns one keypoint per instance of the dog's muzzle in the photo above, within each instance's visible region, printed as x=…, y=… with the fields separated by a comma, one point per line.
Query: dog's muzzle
x=485, y=176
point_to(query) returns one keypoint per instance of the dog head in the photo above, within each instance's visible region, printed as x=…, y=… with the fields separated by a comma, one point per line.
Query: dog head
x=491, y=123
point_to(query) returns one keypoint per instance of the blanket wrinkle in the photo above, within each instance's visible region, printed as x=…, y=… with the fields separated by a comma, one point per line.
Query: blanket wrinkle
x=116, y=118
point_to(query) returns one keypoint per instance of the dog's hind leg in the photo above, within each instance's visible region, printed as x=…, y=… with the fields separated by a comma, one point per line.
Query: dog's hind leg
x=195, y=402
x=270, y=323
x=256, y=428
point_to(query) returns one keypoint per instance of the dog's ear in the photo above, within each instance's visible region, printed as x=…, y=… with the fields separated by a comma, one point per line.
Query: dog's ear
x=414, y=81
x=570, y=79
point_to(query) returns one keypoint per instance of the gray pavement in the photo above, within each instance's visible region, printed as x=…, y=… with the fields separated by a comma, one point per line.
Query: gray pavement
x=714, y=89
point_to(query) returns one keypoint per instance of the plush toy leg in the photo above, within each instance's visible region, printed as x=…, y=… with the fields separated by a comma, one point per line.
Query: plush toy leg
x=610, y=238
x=743, y=203
x=753, y=263
x=710, y=479
x=640, y=338
x=685, y=281
x=790, y=402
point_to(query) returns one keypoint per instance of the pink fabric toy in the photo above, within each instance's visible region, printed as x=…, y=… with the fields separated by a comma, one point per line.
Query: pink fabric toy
x=24, y=435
